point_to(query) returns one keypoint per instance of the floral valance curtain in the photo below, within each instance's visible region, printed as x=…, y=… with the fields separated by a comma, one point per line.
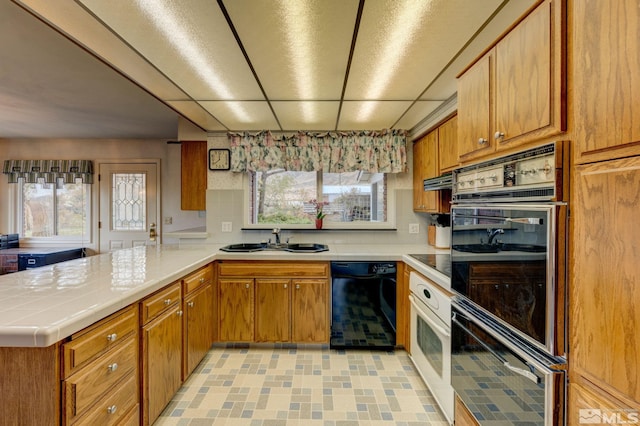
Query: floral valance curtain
x=333, y=152
x=49, y=171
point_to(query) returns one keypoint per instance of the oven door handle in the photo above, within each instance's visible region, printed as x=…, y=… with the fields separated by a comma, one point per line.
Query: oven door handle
x=528, y=374
x=524, y=220
x=426, y=318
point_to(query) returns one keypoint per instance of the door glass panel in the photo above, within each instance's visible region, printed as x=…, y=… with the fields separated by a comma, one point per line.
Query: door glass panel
x=128, y=205
x=430, y=345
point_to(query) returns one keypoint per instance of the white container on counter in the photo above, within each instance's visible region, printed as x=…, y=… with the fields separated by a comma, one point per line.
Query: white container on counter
x=443, y=237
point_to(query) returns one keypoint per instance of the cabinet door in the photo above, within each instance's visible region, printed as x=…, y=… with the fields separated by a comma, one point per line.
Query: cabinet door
x=474, y=110
x=427, y=149
x=605, y=79
x=448, y=145
x=273, y=313
x=162, y=361
x=198, y=327
x=193, y=175
x=604, y=282
x=523, y=77
x=585, y=401
x=236, y=303
x=310, y=311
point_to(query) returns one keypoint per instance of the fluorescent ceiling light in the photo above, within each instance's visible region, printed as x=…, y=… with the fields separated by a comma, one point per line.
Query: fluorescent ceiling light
x=177, y=32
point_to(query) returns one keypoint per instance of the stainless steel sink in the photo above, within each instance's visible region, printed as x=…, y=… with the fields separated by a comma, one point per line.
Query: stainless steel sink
x=294, y=248
x=306, y=248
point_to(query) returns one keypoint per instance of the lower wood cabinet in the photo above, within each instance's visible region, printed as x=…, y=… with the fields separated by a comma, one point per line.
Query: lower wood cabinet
x=161, y=351
x=273, y=301
x=198, y=327
x=463, y=416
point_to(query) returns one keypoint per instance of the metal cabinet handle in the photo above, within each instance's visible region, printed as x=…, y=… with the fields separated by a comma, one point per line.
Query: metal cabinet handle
x=190, y=304
x=112, y=367
x=112, y=337
x=201, y=280
x=167, y=302
x=498, y=135
x=482, y=141
x=179, y=313
x=297, y=286
x=246, y=286
x=285, y=286
x=112, y=409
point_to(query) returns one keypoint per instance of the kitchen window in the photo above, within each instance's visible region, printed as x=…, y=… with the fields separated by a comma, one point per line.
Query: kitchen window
x=54, y=212
x=284, y=198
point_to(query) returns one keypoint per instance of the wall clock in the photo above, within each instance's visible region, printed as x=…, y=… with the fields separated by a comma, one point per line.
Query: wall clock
x=219, y=159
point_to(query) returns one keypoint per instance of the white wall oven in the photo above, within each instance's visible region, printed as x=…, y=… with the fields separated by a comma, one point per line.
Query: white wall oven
x=509, y=222
x=431, y=339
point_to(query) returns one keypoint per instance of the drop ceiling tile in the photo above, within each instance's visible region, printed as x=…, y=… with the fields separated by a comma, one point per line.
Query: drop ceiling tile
x=190, y=43
x=299, y=49
x=307, y=115
x=239, y=116
x=371, y=115
x=402, y=46
x=417, y=113
x=198, y=115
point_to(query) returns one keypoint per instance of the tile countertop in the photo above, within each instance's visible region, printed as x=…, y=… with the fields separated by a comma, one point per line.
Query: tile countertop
x=45, y=305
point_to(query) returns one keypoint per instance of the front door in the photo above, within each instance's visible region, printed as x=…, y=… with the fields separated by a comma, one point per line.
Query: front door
x=129, y=205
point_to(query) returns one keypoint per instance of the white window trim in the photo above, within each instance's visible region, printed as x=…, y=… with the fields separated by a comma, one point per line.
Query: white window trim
x=390, y=224
x=16, y=201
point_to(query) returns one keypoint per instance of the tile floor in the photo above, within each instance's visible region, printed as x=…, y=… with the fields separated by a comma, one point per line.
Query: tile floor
x=303, y=386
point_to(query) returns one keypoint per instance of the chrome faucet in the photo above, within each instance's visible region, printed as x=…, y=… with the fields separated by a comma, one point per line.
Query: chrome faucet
x=276, y=232
x=493, y=233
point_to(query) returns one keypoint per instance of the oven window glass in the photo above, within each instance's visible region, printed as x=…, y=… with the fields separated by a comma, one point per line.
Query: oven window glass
x=430, y=345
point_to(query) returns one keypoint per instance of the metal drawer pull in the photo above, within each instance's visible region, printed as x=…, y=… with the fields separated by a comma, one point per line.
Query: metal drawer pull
x=190, y=304
x=179, y=313
x=112, y=337
x=112, y=409
x=201, y=280
x=167, y=302
x=112, y=367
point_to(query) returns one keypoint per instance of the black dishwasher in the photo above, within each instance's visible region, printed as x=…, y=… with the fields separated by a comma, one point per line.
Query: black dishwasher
x=363, y=305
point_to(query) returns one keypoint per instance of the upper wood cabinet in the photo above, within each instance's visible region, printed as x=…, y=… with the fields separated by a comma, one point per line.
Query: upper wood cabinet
x=193, y=175
x=515, y=93
x=426, y=164
x=605, y=78
x=604, y=285
x=448, y=145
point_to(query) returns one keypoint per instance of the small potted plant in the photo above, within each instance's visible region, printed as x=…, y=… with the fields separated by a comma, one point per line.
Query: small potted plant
x=320, y=214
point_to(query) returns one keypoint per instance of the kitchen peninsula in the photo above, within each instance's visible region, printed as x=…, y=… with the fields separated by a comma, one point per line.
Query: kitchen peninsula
x=47, y=309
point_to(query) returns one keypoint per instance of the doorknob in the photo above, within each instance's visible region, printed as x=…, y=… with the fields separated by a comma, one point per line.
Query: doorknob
x=152, y=232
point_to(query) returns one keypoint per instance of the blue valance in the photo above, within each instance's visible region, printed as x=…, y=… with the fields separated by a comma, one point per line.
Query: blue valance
x=49, y=171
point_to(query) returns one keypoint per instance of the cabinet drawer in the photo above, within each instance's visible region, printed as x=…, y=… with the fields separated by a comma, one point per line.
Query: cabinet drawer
x=155, y=304
x=94, y=340
x=273, y=269
x=83, y=388
x=198, y=278
x=115, y=406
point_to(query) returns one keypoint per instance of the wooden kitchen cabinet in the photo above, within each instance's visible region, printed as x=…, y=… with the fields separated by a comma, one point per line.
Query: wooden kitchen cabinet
x=273, y=310
x=448, y=145
x=310, y=310
x=273, y=301
x=606, y=54
x=463, y=416
x=199, y=318
x=516, y=93
x=161, y=349
x=604, y=286
x=425, y=166
x=403, y=310
x=585, y=396
x=193, y=171
x=100, y=371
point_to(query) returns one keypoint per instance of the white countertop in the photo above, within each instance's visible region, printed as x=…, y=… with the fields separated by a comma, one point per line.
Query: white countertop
x=45, y=305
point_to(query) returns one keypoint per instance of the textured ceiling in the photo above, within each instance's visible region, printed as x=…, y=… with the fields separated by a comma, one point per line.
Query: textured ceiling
x=236, y=64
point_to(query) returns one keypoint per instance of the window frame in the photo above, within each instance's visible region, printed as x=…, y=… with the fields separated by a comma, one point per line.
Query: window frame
x=84, y=239
x=390, y=223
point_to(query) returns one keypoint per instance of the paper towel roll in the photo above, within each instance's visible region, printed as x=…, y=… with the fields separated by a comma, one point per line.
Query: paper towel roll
x=443, y=237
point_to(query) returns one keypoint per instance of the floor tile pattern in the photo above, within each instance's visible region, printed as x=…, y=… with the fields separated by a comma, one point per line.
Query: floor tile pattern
x=303, y=386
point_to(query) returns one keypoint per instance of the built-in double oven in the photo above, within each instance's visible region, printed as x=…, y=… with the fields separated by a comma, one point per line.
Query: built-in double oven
x=508, y=325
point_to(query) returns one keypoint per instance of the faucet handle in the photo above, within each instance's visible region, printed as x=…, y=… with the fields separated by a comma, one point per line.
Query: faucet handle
x=275, y=231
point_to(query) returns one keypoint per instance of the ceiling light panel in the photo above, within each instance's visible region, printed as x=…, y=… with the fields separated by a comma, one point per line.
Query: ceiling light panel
x=403, y=45
x=370, y=115
x=259, y=113
x=291, y=116
x=299, y=49
x=189, y=41
x=416, y=113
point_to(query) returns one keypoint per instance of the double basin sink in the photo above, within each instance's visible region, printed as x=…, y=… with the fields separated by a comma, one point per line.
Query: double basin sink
x=294, y=248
